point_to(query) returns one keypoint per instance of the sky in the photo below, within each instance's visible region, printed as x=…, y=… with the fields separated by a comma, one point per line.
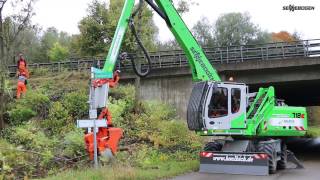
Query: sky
x=268, y=14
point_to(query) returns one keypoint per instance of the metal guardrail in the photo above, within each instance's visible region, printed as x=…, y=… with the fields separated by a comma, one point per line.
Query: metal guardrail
x=177, y=58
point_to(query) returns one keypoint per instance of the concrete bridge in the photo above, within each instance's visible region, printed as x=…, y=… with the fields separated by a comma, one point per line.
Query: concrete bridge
x=292, y=68
x=297, y=80
x=295, y=76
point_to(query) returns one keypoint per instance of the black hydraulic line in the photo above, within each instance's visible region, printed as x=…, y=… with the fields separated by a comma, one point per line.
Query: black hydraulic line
x=159, y=11
x=135, y=34
x=139, y=9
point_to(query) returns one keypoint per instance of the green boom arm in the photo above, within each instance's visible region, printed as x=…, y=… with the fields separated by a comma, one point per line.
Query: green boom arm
x=118, y=37
x=201, y=68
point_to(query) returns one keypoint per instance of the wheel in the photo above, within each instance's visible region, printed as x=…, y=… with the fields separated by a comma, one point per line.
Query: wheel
x=213, y=146
x=282, y=163
x=269, y=150
x=194, y=111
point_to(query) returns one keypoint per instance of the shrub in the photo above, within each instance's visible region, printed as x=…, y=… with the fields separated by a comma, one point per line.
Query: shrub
x=118, y=108
x=34, y=104
x=73, y=144
x=160, y=111
x=14, y=161
x=31, y=137
x=151, y=131
x=39, y=72
x=76, y=103
x=174, y=135
x=58, y=120
x=20, y=114
x=38, y=102
x=156, y=124
x=126, y=92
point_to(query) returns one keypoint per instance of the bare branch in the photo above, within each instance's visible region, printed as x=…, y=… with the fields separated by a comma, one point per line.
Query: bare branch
x=23, y=24
x=2, y=3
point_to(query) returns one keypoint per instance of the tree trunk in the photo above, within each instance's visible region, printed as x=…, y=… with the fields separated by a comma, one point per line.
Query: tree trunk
x=1, y=42
x=2, y=101
x=137, y=84
x=137, y=88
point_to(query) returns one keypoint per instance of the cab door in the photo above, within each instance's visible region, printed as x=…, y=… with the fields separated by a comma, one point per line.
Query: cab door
x=225, y=106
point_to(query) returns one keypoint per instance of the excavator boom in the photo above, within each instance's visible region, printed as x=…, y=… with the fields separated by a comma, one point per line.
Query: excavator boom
x=200, y=66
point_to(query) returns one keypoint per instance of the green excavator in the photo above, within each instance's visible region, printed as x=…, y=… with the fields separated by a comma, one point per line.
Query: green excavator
x=254, y=126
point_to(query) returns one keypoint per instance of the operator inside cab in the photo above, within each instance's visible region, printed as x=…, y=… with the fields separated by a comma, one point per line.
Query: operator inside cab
x=218, y=106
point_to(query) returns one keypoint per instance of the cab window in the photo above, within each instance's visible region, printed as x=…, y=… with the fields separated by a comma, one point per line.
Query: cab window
x=235, y=100
x=218, y=106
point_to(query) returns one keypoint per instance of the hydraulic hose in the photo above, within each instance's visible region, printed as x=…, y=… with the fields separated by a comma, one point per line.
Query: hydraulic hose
x=145, y=52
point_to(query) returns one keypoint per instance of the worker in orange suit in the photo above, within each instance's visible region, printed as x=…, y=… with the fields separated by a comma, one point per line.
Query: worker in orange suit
x=22, y=66
x=21, y=86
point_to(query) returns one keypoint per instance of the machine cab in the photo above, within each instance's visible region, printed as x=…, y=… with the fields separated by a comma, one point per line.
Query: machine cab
x=217, y=105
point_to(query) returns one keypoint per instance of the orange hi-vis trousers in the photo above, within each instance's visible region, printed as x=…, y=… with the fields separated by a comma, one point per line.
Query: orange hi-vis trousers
x=21, y=89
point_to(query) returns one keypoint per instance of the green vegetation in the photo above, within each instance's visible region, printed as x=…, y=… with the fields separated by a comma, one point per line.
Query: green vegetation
x=58, y=52
x=42, y=138
x=234, y=29
x=97, y=29
x=164, y=170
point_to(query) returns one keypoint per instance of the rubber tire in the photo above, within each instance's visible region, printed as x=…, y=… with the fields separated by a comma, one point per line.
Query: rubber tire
x=282, y=163
x=267, y=148
x=194, y=111
x=213, y=146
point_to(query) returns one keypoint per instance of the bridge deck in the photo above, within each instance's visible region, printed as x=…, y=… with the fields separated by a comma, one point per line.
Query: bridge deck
x=216, y=55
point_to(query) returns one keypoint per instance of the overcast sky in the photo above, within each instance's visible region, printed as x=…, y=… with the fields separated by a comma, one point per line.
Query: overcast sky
x=268, y=14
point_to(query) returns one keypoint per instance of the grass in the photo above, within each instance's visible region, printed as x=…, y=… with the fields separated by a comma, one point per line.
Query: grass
x=122, y=172
x=54, y=82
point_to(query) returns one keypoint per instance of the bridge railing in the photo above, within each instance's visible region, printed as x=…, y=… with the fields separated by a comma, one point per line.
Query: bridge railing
x=177, y=58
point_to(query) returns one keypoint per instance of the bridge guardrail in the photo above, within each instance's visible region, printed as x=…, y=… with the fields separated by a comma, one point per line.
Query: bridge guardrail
x=177, y=58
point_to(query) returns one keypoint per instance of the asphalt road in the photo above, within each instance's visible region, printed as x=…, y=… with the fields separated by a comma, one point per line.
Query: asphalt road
x=307, y=153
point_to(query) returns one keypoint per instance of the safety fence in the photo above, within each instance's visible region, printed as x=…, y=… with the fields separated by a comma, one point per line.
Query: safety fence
x=177, y=58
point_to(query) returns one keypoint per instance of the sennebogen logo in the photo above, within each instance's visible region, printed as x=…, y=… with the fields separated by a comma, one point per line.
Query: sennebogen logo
x=293, y=8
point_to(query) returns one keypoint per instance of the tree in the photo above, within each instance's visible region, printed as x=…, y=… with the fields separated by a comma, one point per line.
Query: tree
x=28, y=42
x=168, y=45
x=12, y=26
x=75, y=46
x=203, y=32
x=58, y=52
x=48, y=39
x=93, y=30
x=284, y=36
x=183, y=6
x=262, y=37
x=97, y=29
x=235, y=29
x=53, y=41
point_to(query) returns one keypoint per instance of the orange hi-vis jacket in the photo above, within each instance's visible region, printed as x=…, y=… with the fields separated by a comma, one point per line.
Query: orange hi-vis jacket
x=22, y=68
